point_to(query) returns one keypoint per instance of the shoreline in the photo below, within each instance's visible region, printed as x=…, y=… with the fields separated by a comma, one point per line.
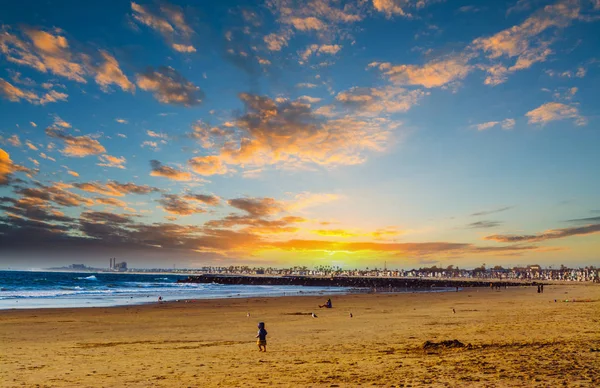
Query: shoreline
x=297, y=294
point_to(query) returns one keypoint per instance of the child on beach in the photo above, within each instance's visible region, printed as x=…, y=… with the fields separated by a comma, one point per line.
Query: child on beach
x=262, y=337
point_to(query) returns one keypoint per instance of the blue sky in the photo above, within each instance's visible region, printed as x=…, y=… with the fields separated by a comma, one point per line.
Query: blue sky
x=300, y=133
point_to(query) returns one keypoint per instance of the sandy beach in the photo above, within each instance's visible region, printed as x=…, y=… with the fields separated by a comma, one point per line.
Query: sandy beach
x=513, y=337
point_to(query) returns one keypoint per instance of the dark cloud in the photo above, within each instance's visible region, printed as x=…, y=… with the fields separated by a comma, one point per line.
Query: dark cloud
x=257, y=207
x=170, y=87
x=211, y=200
x=547, y=235
x=105, y=217
x=252, y=224
x=158, y=169
x=589, y=220
x=484, y=224
x=175, y=205
x=485, y=213
x=115, y=189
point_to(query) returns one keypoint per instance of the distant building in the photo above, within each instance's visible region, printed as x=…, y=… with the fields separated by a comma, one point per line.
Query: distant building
x=121, y=267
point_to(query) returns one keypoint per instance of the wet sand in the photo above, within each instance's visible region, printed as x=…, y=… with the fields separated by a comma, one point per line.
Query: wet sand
x=513, y=337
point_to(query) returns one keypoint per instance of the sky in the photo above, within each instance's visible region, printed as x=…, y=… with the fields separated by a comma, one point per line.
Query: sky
x=281, y=133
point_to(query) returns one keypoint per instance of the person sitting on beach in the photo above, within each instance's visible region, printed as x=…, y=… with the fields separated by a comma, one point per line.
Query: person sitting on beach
x=327, y=304
x=262, y=337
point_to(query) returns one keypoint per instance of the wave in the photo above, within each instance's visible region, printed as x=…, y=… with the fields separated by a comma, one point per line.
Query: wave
x=88, y=278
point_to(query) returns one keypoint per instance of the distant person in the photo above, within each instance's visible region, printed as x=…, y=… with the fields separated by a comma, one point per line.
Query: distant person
x=160, y=299
x=262, y=337
x=539, y=290
x=327, y=304
x=542, y=288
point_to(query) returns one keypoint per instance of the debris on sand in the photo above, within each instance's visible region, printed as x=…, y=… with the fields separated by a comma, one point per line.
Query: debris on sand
x=443, y=344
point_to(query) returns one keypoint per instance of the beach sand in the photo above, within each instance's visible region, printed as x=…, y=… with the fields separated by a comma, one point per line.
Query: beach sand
x=518, y=338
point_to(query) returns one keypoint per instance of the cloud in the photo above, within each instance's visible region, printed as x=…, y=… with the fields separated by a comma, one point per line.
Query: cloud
x=276, y=42
x=388, y=99
x=257, y=207
x=109, y=72
x=505, y=124
x=586, y=220
x=112, y=161
x=121, y=121
x=115, y=189
x=289, y=133
x=170, y=87
x=43, y=51
x=56, y=193
x=547, y=235
x=256, y=224
x=156, y=134
x=307, y=199
x=334, y=233
x=552, y=111
x=487, y=212
x=6, y=167
x=169, y=21
x=433, y=74
x=110, y=202
x=15, y=94
x=76, y=146
x=510, y=50
x=483, y=224
x=306, y=85
x=525, y=42
x=400, y=7
x=207, y=165
x=13, y=141
x=315, y=49
x=211, y=200
x=60, y=122
x=31, y=146
x=50, y=52
x=158, y=169
x=328, y=19
x=104, y=217
x=175, y=205
x=150, y=144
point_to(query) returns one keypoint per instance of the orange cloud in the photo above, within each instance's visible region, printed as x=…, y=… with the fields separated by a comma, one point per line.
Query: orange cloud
x=77, y=146
x=552, y=111
x=289, y=133
x=109, y=72
x=15, y=94
x=207, y=165
x=430, y=75
x=115, y=189
x=158, y=169
x=169, y=21
x=112, y=161
x=334, y=233
x=110, y=202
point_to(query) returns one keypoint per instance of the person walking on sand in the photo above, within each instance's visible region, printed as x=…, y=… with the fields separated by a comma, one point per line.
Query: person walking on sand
x=262, y=337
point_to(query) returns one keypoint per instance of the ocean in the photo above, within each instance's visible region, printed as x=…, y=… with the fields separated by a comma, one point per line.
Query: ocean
x=25, y=289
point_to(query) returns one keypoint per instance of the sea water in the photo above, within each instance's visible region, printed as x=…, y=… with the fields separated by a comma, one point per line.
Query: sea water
x=24, y=289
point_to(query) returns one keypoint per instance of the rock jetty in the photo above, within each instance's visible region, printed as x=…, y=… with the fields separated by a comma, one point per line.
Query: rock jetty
x=345, y=281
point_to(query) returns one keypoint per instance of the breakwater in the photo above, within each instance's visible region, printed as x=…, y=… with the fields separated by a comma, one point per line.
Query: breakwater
x=344, y=281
